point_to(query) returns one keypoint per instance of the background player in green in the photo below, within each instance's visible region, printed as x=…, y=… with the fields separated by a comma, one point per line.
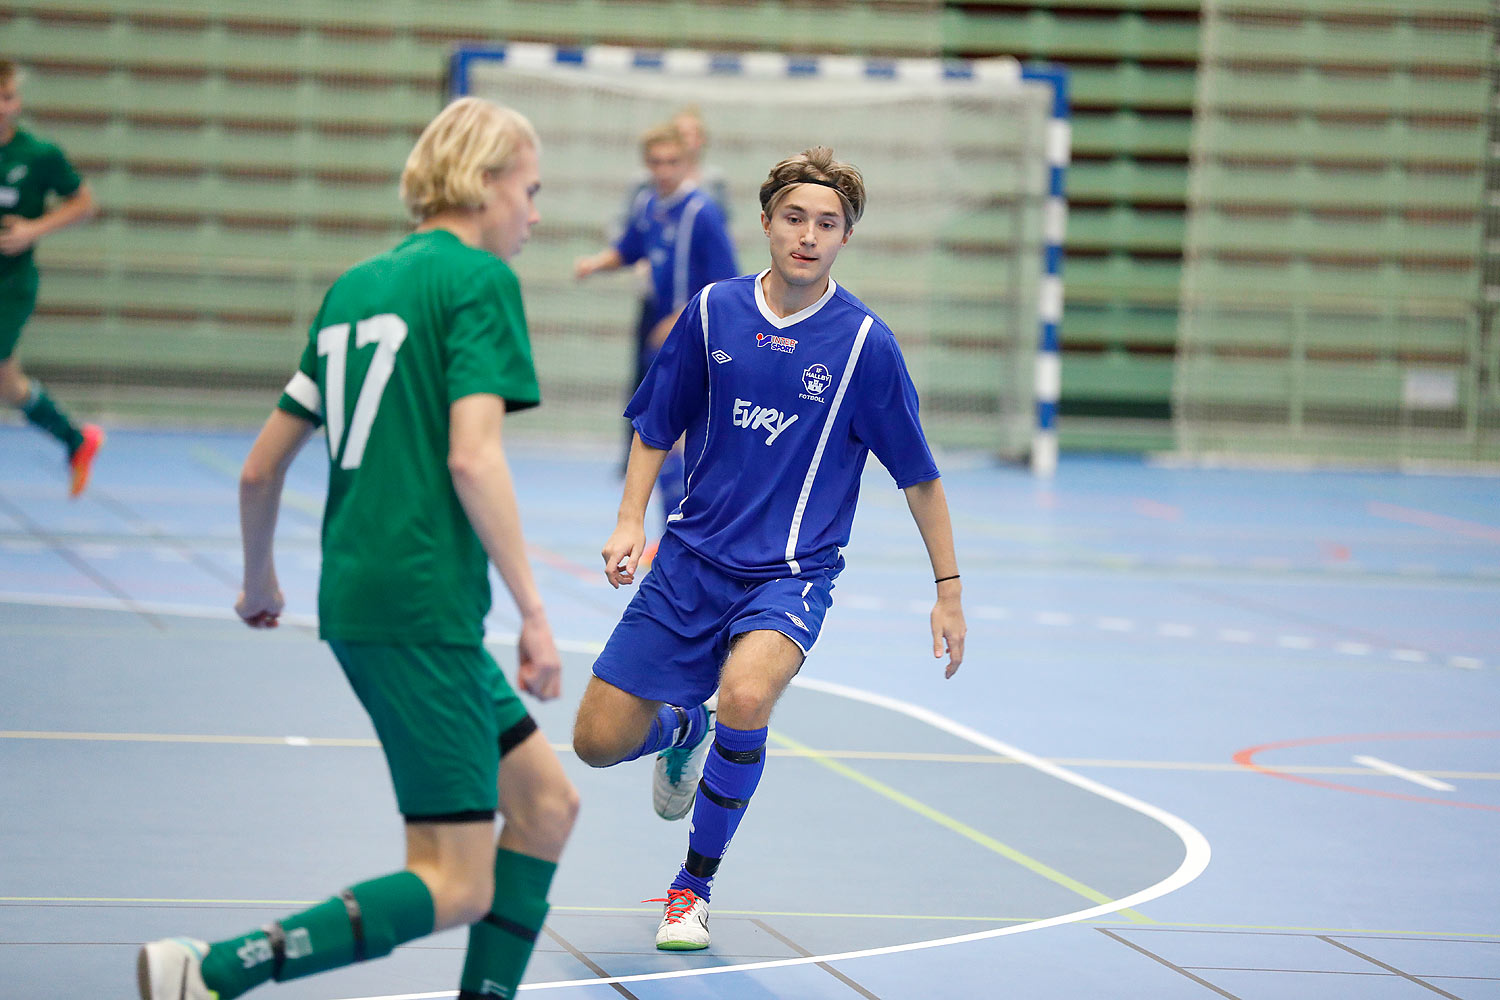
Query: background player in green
x=413, y=361
x=30, y=171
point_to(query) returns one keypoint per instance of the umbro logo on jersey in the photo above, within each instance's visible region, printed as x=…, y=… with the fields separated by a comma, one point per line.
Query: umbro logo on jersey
x=720, y=357
x=797, y=621
x=786, y=345
x=16, y=173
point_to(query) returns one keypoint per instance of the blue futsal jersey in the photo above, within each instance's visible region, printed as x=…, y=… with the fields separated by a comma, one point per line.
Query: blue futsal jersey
x=780, y=414
x=684, y=238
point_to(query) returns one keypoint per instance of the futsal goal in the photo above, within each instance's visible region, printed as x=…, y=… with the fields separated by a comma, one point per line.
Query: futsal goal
x=959, y=250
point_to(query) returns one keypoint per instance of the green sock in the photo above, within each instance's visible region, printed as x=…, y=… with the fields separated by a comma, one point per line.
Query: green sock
x=501, y=943
x=367, y=921
x=42, y=411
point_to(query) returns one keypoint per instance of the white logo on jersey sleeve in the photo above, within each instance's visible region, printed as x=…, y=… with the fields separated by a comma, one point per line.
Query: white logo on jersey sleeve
x=752, y=417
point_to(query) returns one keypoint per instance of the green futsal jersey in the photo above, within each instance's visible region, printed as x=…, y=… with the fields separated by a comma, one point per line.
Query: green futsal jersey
x=30, y=170
x=398, y=339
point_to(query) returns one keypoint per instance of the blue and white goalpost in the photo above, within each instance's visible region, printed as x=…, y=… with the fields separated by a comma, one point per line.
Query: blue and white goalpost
x=960, y=250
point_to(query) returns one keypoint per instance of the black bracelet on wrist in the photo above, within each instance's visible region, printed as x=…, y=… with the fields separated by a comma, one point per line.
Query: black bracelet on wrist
x=943, y=578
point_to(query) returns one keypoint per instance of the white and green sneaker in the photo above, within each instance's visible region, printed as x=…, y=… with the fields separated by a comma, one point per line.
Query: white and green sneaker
x=172, y=969
x=674, y=779
x=684, y=922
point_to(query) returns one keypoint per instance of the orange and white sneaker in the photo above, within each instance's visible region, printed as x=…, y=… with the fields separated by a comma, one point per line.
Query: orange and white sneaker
x=82, y=459
x=684, y=924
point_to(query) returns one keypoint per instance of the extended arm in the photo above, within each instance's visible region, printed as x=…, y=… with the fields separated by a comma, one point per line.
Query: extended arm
x=261, y=482
x=929, y=508
x=622, y=552
x=19, y=234
x=604, y=260
x=482, y=480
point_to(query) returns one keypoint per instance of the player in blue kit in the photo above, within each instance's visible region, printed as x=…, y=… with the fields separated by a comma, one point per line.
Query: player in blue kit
x=784, y=383
x=679, y=229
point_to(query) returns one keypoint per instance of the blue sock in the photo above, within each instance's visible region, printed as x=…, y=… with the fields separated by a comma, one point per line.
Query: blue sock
x=673, y=727
x=730, y=774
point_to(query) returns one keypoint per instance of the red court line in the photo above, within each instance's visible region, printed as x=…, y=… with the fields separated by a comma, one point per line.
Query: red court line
x=1157, y=509
x=1438, y=522
x=566, y=565
x=1246, y=758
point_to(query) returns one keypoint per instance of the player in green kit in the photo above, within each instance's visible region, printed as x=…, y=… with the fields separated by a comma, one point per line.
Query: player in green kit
x=30, y=171
x=414, y=360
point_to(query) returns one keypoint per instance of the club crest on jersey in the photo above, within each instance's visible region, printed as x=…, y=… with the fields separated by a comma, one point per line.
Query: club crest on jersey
x=816, y=381
x=785, y=345
x=767, y=418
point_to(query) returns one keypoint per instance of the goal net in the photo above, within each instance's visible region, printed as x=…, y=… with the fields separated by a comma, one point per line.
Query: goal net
x=950, y=252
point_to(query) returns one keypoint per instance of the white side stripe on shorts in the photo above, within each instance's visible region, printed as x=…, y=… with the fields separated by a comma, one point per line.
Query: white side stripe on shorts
x=812, y=470
x=306, y=392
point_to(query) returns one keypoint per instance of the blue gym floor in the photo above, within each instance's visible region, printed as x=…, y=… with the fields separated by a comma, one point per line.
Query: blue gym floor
x=1225, y=733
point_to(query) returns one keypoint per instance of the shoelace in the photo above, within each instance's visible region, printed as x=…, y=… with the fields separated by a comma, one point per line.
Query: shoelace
x=679, y=902
x=677, y=758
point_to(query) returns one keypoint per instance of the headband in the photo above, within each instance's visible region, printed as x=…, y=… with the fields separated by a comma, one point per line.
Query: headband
x=827, y=184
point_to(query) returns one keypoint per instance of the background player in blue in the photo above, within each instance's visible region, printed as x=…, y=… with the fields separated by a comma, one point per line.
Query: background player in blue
x=783, y=383
x=689, y=122
x=680, y=230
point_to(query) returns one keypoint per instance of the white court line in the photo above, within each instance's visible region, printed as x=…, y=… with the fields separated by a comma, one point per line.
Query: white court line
x=101, y=603
x=1195, y=859
x=853, y=601
x=1175, y=630
x=1397, y=771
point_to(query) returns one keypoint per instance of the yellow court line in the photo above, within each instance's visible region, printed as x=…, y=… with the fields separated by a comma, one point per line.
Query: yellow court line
x=1294, y=929
x=925, y=917
x=889, y=755
x=962, y=829
x=314, y=741
x=290, y=497
x=157, y=901
x=143, y=901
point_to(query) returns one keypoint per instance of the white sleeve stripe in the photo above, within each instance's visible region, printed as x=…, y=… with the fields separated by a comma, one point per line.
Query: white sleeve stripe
x=812, y=470
x=306, y=392
x=687, y=486
x=684, y=251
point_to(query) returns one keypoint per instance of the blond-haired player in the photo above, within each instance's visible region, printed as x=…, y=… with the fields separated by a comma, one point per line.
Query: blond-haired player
x=413, y=362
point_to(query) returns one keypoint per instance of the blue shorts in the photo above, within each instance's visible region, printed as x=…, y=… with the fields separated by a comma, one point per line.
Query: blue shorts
x=676, y=632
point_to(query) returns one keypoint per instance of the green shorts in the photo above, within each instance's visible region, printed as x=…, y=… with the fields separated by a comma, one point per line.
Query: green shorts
x=445, y=716
x=17, y=300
